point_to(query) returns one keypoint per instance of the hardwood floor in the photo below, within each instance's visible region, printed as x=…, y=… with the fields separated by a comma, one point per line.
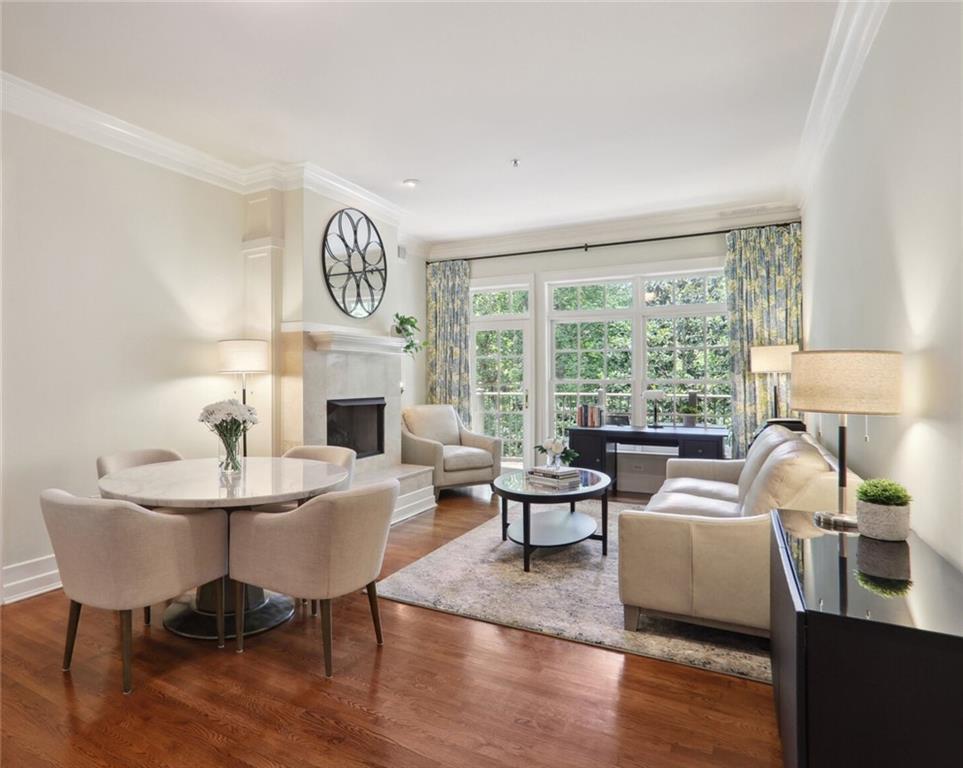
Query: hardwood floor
x=442, y=691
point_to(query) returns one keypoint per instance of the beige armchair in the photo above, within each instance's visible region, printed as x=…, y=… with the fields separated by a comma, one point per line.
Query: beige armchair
x=333, y=454
x=331, y=545
x=699, y=552
x=434, y=436
x=119, y=556
x=115, y=462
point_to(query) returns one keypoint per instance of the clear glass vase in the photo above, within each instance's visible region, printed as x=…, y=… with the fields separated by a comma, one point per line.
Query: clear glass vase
x=229, y=455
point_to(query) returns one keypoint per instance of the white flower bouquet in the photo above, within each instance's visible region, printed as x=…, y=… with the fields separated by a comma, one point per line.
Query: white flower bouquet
x=557, y=451
x=229, y=420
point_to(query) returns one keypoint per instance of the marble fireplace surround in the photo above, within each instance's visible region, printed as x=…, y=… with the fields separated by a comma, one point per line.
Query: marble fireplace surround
x=329, y=362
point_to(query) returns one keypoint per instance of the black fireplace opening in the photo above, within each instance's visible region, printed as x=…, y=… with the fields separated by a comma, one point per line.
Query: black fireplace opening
x=358, y=423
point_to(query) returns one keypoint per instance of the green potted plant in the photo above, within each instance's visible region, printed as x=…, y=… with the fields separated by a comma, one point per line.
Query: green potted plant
x=690, y=412
x=406, y=327
x=882, y=510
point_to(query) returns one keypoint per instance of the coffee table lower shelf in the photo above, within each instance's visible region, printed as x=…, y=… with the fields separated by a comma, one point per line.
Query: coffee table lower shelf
x=554, y=528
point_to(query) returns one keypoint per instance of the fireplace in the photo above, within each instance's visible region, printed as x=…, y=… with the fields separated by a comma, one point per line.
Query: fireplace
x=358, y=423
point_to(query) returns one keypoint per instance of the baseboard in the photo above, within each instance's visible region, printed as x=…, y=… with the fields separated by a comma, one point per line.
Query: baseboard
x=413, y=503
x=29, y=578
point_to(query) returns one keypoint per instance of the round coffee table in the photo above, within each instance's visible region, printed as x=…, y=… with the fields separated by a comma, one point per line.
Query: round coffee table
x=553, y=528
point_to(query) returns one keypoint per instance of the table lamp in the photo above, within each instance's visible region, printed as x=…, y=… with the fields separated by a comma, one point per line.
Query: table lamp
x=243, y=356
x=772, y=359
x=846, y=381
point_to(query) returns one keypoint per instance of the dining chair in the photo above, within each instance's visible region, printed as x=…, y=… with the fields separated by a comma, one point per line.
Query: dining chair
x=330, y=546
x=119, y=556
x=114, y=462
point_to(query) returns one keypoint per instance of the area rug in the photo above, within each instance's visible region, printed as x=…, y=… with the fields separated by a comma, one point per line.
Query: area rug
x=570, y=592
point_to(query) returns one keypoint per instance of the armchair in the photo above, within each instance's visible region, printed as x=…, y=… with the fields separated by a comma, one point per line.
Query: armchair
x=434, y=436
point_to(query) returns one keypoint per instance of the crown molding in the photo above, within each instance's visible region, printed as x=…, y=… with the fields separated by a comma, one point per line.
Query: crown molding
x=664, y=224
x=39, y=105
x=850, y=40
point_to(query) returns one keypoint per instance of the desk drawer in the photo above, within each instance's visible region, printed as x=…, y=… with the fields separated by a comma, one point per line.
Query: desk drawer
x=700, y=449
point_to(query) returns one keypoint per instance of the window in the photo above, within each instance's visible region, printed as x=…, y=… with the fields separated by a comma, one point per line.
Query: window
x=607, y=349
x=495, y=303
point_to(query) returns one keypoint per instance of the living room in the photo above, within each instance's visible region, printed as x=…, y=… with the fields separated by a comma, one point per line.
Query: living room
x=585, y=381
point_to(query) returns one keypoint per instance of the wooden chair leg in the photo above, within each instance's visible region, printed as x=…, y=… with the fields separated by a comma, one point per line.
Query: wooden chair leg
x=326, y=636
x=375, y=612
x=147, y=615
x=73, y=619
x=126, y=632
x=219, y=591
x=239, y=615
x=314, y=607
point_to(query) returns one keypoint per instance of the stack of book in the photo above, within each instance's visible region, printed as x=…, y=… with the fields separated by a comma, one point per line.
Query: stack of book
x=561, y=479
x=589, y=416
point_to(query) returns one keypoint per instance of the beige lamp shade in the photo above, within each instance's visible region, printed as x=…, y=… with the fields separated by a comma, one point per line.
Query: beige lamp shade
x=243, y=356
x=776, y=358
x=850, y=381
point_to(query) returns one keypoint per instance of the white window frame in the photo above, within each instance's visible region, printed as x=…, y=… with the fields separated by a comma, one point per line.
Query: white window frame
x=637, y=314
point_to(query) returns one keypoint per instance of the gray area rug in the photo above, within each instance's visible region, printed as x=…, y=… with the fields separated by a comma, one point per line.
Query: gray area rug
x=571, y=592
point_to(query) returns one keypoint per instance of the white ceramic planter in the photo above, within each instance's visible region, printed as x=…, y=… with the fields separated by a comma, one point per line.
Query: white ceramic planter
x=688, y=419
x=883, y=522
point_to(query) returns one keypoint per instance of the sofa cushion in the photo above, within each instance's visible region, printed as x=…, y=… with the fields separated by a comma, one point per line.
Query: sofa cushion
x=789, y=468
x=710, y=489
x=669, y=503
x=767, y=441
x=433, y=422
x=461, y=457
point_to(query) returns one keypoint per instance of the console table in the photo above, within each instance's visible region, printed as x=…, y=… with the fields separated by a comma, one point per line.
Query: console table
x=597, y=446
x=867, y=649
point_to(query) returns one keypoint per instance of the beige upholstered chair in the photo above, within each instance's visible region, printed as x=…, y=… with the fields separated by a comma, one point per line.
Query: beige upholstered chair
x=333, y=454
x=115, y=462
x=434, y=436
x=331, y=545
x=119, y=556
x=699, y=552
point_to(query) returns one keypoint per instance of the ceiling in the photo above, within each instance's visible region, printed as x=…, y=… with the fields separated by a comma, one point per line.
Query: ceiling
x=613, y=109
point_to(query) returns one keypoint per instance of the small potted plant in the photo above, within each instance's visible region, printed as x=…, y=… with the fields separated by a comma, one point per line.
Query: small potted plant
x=406, y=326
x=690, y=413
x=557, y=451
x=882, y=510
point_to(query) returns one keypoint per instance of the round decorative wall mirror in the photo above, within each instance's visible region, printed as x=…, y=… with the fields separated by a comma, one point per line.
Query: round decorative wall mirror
x=354, y=263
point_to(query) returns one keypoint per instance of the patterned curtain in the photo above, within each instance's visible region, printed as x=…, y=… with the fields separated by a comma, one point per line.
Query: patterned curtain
x=448, y=335
x=764, y=287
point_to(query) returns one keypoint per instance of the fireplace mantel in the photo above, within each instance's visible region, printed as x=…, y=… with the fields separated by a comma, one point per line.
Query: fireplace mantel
x=339, y=338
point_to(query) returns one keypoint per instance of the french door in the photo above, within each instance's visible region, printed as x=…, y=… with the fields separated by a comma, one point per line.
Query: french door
x=501, y=377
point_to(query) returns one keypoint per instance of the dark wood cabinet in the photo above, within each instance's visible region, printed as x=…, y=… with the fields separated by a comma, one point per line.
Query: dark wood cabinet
x=860, y=678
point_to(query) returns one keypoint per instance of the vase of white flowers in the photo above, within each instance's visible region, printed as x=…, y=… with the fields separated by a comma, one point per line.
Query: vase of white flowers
x=229, y=420
x=557, y=451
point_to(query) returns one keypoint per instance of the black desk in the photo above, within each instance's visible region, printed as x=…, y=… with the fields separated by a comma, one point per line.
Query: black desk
x=597, y=446
x=867, y=649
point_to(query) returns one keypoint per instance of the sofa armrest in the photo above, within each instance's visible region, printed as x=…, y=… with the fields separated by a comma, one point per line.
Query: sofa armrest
x=722, y=470
x=708, y=568
x=491, y=444
x=421, y=450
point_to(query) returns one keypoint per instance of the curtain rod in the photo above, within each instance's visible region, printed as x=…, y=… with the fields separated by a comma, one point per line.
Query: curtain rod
x=587, y=246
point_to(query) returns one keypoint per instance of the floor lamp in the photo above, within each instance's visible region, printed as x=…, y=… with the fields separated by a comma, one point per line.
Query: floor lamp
x=241, y=357
x=770, y=360
x=844, y=382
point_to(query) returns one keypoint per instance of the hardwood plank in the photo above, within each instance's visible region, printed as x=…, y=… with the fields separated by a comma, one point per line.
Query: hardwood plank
x=442, y=691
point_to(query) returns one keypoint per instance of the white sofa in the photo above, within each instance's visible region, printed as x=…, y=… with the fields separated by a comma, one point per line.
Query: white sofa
x=699, y=552
x=433, y=435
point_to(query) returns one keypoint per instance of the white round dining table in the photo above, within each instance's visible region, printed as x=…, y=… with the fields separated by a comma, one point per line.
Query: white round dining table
x=199, y=484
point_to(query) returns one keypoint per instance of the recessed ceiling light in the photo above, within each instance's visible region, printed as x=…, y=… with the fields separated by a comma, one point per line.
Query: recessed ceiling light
x=411, y=182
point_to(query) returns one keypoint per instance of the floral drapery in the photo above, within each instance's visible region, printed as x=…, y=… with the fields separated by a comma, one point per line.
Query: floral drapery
x=764, y=289
x=448, y=335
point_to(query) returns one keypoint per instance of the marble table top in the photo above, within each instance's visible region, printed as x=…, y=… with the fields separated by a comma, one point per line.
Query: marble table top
x=195, y=483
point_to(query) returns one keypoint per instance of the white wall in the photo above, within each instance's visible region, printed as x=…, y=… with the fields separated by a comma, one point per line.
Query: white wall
x=405, y=292
x=882, y=264
x=118, y=277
